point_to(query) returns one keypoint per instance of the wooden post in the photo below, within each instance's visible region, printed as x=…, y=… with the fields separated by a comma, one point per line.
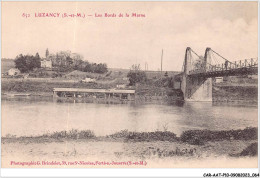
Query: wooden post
x=55, y=94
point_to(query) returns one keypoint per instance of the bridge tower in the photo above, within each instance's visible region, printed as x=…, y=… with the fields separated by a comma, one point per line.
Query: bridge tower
x=196, y=87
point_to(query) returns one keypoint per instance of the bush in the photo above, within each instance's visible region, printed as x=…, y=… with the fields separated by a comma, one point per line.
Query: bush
x=198, y=137
x=136, y=77
x=251, y=150
x=73, y=134
x=145, y=136
x=27, y=63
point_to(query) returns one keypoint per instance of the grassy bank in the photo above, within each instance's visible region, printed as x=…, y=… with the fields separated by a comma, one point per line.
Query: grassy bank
x=40, y=86
x=229, y=93
x=193, y=137
x=45, y=87
x=145, y=92
x=153, y=147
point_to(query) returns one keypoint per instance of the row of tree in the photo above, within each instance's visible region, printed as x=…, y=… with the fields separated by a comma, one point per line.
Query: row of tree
x=27, y=63
x=63, y=60
x=68, y=60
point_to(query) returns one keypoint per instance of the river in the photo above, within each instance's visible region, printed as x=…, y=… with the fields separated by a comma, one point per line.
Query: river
x=32, y=116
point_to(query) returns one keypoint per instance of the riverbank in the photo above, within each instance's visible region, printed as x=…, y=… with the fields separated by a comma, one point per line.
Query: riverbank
x=235, y=93
x=150, y=148
x=44, y=87
x=39, y=87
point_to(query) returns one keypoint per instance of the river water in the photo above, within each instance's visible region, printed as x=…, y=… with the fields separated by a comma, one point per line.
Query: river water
x=31, y=116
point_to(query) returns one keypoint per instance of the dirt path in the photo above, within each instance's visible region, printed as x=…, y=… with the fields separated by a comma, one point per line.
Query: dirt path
x=91, y=153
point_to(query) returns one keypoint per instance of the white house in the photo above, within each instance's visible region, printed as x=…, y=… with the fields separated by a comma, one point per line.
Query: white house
x=86, y=80
x=13, y=71
x=46, y=63
x=121, y=86
x=219, y=79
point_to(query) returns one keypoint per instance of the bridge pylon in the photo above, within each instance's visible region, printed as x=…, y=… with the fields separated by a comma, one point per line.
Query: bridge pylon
x=196, y=87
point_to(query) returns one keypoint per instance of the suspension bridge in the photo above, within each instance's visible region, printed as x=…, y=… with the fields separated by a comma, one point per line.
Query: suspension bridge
x=198, y=71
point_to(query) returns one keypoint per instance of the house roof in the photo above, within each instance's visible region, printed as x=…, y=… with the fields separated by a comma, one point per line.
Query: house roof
x=15, y=69
x=45, y=59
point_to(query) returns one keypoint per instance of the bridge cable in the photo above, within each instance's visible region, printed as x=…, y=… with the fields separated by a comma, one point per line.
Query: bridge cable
x=195, y=53
x=221, y=56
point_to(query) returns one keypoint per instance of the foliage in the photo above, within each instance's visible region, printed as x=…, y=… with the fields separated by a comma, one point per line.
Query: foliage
x=198, y=137
x=135, y=75
x=72, y=134
x=144, y=136
x=47, y=53
x=28, y=62
x=251, y=150
x=65, y=60
x=199, y=63
x=164, y=82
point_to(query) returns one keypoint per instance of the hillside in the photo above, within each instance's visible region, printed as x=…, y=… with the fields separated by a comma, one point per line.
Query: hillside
x=6, y=64
x=150, y=74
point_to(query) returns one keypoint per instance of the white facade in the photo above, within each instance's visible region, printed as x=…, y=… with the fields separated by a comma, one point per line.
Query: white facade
x=121, y=86
x=46, y=63
x=13, y=71
x=219, y=79
x=88, y=80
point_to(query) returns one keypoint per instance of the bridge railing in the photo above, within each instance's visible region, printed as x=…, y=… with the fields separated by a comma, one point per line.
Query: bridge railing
x=247, y=63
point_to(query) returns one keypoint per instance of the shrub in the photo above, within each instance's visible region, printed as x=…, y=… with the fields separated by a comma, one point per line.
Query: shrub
x=73, y=134
x=145, y=136
x=251, y=150
x=135, y=75
x=27, y=63
x=198, y=137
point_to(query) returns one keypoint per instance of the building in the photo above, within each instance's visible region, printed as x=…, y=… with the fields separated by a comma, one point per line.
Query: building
x=121, y=86
x=13, y=72
x=46, y=63
x=219, y=79
x=86, y=80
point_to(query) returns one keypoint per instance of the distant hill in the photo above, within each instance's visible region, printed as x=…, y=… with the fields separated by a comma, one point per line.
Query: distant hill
x=6, y=64
x=150, y=74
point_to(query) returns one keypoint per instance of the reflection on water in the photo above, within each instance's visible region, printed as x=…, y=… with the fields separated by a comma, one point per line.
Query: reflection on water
x=38, y=115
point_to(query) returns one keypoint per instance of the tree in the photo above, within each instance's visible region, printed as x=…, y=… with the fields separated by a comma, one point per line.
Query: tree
x=27, y=63
x=47, y=53
x=36, y=62
x=20, y=63
x=199, y=63
x=37, y=55
x=135, y=75
x=65, y=61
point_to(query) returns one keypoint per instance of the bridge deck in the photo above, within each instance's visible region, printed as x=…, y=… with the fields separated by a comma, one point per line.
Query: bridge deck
x=231, y=72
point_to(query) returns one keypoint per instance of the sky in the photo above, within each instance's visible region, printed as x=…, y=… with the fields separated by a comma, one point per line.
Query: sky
x=229, y=28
